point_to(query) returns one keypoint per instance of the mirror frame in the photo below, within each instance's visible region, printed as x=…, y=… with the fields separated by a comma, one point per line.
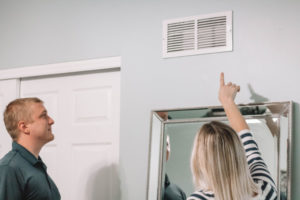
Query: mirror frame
x=287, y=107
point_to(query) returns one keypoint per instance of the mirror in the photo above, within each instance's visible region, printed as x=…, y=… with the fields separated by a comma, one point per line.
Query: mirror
x=174, y=130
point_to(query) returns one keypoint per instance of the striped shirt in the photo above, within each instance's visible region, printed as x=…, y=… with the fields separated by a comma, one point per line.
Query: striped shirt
x=258, y=170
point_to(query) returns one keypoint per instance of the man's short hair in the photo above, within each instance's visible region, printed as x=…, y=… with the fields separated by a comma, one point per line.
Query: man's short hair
x=18, y=110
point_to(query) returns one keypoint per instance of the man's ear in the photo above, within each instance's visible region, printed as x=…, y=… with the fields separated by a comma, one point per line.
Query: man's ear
x=23, y=128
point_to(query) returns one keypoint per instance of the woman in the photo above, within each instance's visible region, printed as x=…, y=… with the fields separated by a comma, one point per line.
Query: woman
x=220, y=168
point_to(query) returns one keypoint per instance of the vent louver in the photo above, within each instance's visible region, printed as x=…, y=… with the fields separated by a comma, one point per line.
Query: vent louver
x=181, y=36
x=197, y=35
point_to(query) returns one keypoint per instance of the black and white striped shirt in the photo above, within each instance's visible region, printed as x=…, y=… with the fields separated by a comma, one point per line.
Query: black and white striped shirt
x=258, y=171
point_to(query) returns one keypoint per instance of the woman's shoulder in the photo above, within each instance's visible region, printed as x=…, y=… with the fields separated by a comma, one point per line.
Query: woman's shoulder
x=201, y=195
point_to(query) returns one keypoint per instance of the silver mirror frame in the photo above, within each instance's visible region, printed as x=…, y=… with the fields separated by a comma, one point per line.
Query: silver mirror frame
x=286, y=108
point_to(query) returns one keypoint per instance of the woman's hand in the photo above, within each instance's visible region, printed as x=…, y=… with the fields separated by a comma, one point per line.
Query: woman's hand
x=227, y=92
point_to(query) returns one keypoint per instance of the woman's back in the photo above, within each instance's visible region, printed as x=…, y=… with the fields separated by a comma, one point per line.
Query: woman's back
x=226, y=165
x=258, y=170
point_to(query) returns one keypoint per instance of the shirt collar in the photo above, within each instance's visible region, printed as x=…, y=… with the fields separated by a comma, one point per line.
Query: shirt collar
x=27, y=155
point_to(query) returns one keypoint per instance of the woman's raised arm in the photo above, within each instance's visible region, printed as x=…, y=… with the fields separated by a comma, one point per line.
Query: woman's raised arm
x=227, y=93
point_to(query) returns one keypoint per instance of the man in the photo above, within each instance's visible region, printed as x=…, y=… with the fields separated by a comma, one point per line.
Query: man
x=171, y=191
x=23, y=175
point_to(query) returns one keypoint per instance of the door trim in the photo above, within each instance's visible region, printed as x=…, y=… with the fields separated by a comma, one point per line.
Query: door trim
x=61, y=68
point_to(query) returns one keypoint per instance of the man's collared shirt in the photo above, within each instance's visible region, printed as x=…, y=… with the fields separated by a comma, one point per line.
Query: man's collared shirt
x=24, y=177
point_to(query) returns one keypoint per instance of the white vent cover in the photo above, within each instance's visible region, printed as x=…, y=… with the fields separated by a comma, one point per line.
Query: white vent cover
x=197, y=35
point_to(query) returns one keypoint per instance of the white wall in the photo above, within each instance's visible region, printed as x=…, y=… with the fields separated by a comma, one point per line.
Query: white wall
x=265, y=55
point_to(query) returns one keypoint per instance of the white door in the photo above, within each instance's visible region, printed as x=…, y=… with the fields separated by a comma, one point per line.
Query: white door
x=83, y=158
x=9, y=90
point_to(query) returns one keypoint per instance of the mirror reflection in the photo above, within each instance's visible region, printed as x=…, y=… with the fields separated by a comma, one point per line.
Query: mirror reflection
x=181, y=142
x=269, y=123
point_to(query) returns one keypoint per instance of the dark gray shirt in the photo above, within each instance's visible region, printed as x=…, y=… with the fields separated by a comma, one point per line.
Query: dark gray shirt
x=23, y=177
x=172, y=191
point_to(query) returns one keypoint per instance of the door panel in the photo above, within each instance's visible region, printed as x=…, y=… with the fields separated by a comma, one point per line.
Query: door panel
x=84, y=156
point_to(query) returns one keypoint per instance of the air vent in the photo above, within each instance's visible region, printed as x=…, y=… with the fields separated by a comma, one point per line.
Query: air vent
x=197, y=35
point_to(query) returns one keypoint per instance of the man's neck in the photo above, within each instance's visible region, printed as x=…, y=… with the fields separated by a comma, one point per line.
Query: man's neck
x=31, y=147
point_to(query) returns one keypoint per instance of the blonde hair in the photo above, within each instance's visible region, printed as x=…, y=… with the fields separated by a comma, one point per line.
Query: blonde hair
x=16, y=111
x=218, y=163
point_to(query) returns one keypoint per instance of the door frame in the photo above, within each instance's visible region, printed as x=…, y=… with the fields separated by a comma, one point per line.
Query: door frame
x=110, y=63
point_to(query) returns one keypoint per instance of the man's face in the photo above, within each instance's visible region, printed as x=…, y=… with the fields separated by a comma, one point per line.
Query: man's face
x=40, y=127
x=168, y=146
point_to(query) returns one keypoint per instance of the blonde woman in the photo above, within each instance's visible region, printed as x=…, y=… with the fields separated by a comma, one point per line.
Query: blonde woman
x=226, y=162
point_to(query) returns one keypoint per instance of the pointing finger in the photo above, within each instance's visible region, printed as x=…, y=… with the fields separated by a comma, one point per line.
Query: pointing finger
x=222, y=82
